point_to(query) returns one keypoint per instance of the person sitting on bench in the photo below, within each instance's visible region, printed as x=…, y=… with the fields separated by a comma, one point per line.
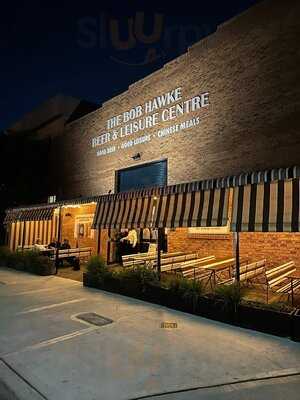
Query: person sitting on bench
x=53, y=244
x=65, y=245
x=38, y=246
x=73, y=261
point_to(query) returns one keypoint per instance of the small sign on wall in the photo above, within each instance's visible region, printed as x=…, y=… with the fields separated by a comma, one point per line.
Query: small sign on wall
x=81, y=230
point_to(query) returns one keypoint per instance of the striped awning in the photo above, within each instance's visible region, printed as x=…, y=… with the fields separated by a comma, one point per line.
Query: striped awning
x=29, y=214
x=170, y=210
x=267, y=207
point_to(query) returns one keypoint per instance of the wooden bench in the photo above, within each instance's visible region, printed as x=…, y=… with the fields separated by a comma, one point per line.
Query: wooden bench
x=141, y=258
x=188, y=264
x=79, y=253
x=248, y=272
x=29, y=247
x=216, y=269
x=129, y=259
x=277, y=280
x=174, y=263
x=194, y=269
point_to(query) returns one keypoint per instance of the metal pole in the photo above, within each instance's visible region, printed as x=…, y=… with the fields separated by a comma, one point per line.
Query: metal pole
x=58, y=240
x=6, y=235
x=159, y=247
x=98, y=240
x=24, y=234
x=108, y=246
x=237, y=257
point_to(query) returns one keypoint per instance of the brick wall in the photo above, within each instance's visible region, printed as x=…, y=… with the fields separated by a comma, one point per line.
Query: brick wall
x=205, y=245
x=249, y=66
x=277, y=248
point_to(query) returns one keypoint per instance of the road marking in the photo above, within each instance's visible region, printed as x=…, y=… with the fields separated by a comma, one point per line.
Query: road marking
x=28, y=292
x=32, y=310
x=62, y=338
x=38, y=291
x=55, y=340
x=21, y=282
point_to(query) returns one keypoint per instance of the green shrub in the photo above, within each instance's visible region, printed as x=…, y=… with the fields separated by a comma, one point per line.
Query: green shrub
x=31, y=261
x=188, y=290
x=184, y=286
x=136, y=278
x=138, y=274
x=97, y=268
x=230, y=294
x=172, y=283
x=191, y=288
x=5, y=254
x=37, y=264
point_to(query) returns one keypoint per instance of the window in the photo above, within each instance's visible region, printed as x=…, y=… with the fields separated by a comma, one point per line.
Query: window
x=142, y=176
x=83, y=227
x=51, y=199
x=211, y=230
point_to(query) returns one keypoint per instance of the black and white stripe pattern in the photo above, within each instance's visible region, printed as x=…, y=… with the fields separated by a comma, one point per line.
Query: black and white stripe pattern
x=267, y=207
x=29, y=214
x=197, y=208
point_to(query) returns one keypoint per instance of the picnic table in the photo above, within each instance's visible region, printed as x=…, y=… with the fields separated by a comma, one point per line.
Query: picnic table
x=218, y=268
x=151, y=260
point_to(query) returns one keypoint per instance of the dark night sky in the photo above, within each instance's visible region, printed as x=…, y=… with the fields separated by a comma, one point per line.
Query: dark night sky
x=67, y=48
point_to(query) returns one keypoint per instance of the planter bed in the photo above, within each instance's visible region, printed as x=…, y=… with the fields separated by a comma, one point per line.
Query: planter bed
x=296, y=326
x=266, y=320
x=42, y=271
x=248, y=315
x=205, y=306
x=214, y=308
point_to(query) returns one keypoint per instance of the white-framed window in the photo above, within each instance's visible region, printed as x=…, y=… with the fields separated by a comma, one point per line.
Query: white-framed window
x=211, y=230
x=52, y=199
x=83, y=227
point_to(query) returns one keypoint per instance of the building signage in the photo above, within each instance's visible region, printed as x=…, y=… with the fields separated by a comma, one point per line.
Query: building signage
x=163, y=110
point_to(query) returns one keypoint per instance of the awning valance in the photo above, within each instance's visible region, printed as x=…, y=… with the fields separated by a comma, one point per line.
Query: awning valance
x=267, y=207
x=29, y=214
x=171, y=210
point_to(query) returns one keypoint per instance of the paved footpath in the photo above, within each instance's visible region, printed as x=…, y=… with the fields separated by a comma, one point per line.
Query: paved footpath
x=47, y=353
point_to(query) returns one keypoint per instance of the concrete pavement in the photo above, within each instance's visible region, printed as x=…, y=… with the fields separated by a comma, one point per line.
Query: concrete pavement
x=45, y=348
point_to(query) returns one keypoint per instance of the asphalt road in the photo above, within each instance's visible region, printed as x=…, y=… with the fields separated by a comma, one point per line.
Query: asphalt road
x=46, y=352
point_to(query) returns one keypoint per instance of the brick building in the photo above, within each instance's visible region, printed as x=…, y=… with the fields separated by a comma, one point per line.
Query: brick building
x=227, y=108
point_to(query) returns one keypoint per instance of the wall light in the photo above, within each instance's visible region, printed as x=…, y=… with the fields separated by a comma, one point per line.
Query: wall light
x=136, y=156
